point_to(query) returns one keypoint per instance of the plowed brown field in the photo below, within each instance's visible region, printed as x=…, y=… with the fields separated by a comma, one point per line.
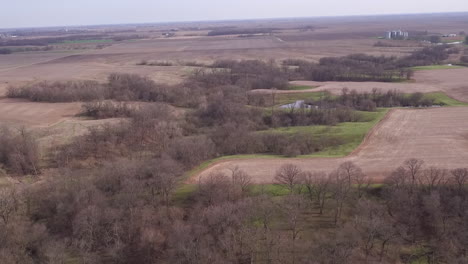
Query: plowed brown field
x=439, y=136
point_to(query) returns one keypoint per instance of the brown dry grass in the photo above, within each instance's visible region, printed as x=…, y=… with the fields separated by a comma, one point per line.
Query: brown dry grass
x=23, y=112
x=453, y=82
x=437, y=136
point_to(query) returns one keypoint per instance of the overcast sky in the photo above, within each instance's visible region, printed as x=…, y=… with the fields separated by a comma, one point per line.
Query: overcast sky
x=38, y=13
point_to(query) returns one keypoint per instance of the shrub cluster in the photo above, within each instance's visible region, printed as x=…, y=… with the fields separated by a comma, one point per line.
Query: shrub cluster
x=70, y=91
x=107, y=109
x=120, y=87
x=19, y=152
x=248, y=74
x=370, y=101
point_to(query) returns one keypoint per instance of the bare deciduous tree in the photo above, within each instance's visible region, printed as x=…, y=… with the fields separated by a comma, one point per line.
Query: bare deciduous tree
x=414, y=167
x=340, y=192
x=241, y=178
x=350, y=171
x=374, y=228
x=215, y=188
x=363, y=183
x=8, y=204
x=433, y=177
x=293, y=206
x=318, y=187
x=397, y=178
x=460, y=177
x=19, y=152
x=355, y=175
x=289, y=175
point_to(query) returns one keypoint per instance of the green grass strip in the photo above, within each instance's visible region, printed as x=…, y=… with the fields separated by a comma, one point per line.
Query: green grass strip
x=441, y=98
x=436, y=67
x=287, y=98
x=85, y=41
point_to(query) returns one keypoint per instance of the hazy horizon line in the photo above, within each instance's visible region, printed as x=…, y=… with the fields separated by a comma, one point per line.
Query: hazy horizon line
x=226, y=20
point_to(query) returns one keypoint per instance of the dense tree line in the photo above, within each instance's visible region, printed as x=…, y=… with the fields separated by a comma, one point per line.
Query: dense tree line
x=239, y=31
x=5, y=51
x=428, y=56
x=347, y=100
x=108, y=109
x=69, y=91
x=361, y=67
x=248, y=74
x=24, y=49
x=371, y=101
x=126, y=212
x=119, y=87
x=48, y=40
x=44, y=41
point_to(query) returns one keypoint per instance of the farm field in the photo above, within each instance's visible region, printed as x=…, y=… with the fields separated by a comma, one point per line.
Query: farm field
x=330, y=37
x=439, y=136
x=22, y=112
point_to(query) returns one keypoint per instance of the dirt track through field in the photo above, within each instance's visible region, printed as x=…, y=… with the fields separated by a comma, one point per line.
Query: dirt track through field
x=439, y=136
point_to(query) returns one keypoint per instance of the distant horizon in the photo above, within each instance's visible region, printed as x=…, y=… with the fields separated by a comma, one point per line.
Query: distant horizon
x=227, y=20
x=68, y=13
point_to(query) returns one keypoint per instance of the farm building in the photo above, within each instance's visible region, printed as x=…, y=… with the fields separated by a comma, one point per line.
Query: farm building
x=396, y=34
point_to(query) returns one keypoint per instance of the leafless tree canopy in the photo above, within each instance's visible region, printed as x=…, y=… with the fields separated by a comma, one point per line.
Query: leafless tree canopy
x=289, y=175
x=19, y=151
